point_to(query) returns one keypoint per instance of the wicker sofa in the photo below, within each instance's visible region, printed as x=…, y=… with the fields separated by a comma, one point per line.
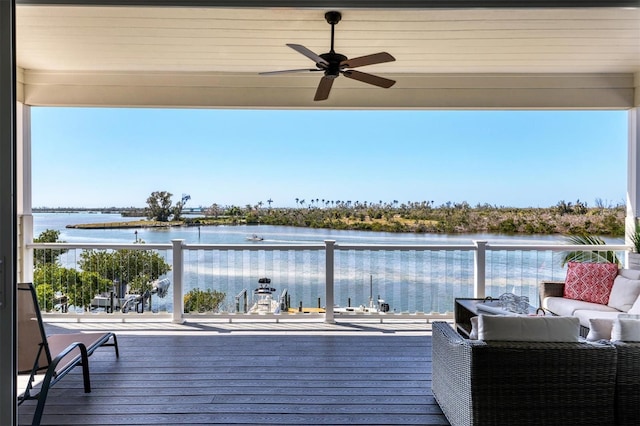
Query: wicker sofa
x=627, y=405
x=522, y=383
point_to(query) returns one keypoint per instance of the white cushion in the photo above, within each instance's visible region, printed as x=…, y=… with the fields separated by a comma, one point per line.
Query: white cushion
x=624, y=293
x=528, y=329
x=626, y=330
x=566, y=307
x=473, y=335
x=632, y=274
x=635, y=308
x=585, y=315
x=600, y=328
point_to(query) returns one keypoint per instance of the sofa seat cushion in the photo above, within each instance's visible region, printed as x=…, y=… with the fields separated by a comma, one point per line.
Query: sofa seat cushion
x=566, y=307
x=584, y=315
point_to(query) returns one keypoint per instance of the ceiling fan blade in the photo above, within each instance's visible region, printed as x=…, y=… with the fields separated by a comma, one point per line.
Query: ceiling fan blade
x=369, y=78
x=289, y=71
x=308, y=53
x=376, y=58
x=324, y=88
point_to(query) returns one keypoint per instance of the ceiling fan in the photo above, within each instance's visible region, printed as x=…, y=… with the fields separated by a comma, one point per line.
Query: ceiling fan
x=333, y=64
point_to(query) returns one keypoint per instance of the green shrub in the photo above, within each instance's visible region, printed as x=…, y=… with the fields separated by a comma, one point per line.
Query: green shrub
x=197, y=300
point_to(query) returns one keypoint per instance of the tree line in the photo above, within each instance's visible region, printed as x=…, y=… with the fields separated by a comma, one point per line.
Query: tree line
x=566, y=218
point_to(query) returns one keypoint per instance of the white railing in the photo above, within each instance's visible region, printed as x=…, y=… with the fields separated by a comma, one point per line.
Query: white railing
x=413, y=280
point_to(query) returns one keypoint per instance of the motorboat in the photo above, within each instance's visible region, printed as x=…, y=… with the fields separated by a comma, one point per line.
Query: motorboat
x=264, y=302
x=130, y=302
x=370, y=308
x=255, y=237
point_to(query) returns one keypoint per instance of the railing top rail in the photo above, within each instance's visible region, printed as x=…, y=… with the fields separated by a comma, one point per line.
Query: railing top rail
x=559, y=247
x=406, y=247
x=322, y=246
x=255, y=247
x=100, y=246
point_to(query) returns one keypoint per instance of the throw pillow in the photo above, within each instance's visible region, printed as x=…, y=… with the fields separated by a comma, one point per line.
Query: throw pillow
x=624, y=293
x=528, y=329
x=600, y=328
x=590, y=282
x=473, y=335
x=626, y=330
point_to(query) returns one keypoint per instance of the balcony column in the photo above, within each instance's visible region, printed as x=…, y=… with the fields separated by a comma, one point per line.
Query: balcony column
x=178, y=274
x=480, y=269
x=633, y=169
x=23, y=194
x=329, y=281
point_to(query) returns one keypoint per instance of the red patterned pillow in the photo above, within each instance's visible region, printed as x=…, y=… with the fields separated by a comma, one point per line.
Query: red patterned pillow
x=590, y=282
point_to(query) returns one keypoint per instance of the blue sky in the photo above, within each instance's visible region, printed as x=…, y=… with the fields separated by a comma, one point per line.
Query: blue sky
x=93, y=157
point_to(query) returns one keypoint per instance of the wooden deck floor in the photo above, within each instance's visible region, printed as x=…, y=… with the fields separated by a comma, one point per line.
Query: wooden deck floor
x=251, y=375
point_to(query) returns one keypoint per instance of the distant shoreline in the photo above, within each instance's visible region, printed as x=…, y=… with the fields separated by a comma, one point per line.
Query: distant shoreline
x=420, y=218
x=126, y=225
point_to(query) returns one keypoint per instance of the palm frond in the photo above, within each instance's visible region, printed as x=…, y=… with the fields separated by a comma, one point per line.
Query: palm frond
x=594, y=256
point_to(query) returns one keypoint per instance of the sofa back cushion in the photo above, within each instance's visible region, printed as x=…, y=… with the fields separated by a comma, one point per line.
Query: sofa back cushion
x=632, y=274
x=624, y=293
x=528, y=329
x=591, y=282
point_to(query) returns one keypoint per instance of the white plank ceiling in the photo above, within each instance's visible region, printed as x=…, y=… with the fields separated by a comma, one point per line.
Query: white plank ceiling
x=211, y=57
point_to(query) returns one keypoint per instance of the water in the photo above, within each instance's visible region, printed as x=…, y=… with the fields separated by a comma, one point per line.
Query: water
x=238, y=234
x=410, y=281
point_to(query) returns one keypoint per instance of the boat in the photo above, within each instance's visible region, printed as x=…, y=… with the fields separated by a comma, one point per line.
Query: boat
x=111, y=301
x=255, y=237
x=370, y=308
x=265, y=303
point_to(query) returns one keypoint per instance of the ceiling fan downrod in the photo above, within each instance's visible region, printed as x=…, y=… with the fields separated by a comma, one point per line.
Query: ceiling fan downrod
x=332, y=18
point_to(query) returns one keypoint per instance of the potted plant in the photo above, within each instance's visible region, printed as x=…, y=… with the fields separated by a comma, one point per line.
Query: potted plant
x=634, y=255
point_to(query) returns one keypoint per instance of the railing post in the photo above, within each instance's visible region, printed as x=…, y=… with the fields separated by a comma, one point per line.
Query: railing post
x=480, y=269
x=329, y=272
x=178, y=268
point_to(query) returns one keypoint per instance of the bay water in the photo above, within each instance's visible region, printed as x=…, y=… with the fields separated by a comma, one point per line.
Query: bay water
x=409, y=281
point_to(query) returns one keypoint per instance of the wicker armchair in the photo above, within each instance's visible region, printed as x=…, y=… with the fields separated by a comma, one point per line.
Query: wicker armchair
x=522, y=383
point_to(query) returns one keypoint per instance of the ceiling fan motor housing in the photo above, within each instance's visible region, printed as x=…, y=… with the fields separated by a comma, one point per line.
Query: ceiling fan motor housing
x=334, y=60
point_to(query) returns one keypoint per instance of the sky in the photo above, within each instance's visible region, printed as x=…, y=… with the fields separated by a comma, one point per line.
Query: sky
x=98, y=157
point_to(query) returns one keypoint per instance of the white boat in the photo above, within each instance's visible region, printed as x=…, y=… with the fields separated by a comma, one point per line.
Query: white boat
x=110, y=301
x=255, y=237
x=264, y=300
x=371, y=308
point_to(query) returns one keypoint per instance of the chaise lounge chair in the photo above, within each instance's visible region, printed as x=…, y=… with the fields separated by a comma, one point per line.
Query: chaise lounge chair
x=53, y=355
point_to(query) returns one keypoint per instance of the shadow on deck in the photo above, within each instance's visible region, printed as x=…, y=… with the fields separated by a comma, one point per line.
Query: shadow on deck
x=213, y=374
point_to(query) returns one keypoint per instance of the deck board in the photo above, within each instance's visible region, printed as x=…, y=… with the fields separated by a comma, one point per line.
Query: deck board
x=256, y=379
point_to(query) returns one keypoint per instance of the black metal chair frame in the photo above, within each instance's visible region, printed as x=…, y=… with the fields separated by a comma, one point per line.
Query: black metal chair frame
x=56, y=369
